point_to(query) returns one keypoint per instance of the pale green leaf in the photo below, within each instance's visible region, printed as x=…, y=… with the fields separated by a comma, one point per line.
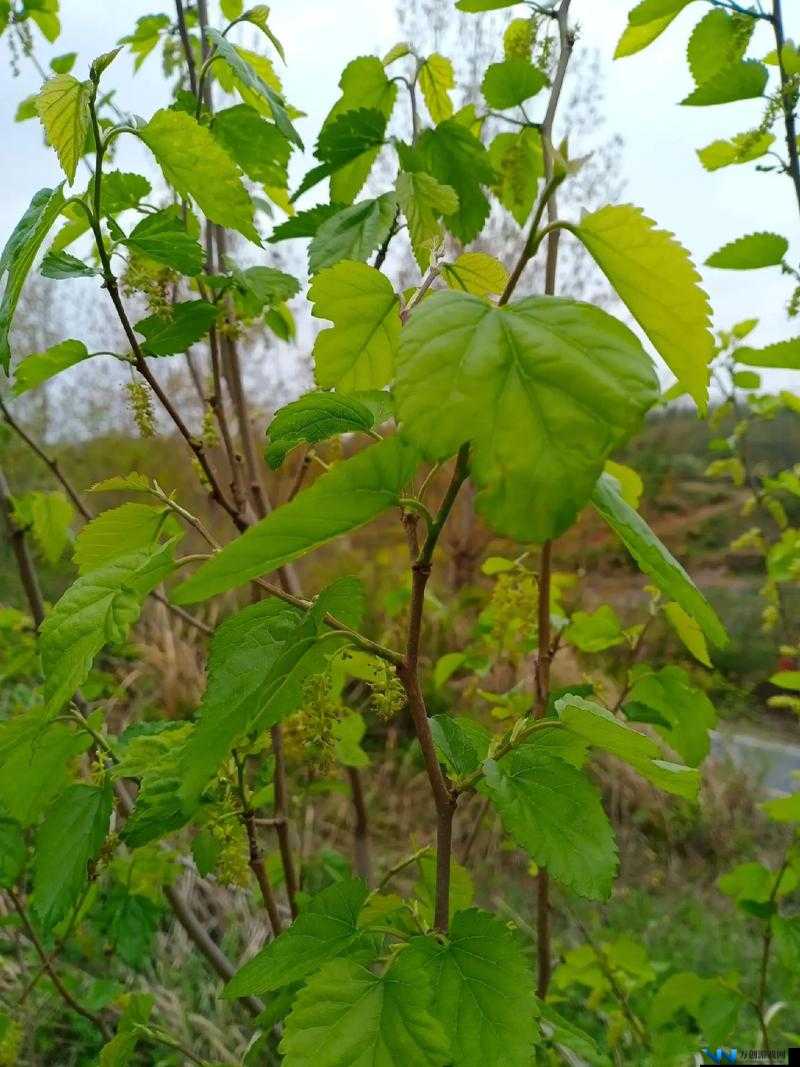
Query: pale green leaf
x=483, y=991
x=348, y=734
x=51, y=517
x=325, y=929
x=600, y=728
x=782, y=355
x=630, y=484
x=670, y=777
x=518, y=163
x=751, y=252
x=655, y=278
x=344, y=498
x=259, y=16
x=786, y=680
x=63, y=106
x=738, y=81
x=553, y=812
x=121, y=530
x=646, y=22
x=522, y=383
x=70, y=837
x=353, y=233
x=655, y=560
x=314, y=417
x=196, y=166
x=397, y=51
x=347, y=1016
x=18, y=255
x=595, y=631
x=98, y=609
x=436, y=79
x=358, y=351
x=476, y=272
x=717, y=40
x=783, y=809
x=511, y=82
x=743, y=148
x=688, y=630
x=423, y=200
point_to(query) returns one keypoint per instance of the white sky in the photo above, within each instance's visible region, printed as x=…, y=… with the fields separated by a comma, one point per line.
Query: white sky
x=662, y=172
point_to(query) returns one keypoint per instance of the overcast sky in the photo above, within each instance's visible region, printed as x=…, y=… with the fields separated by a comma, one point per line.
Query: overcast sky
x=320, y=36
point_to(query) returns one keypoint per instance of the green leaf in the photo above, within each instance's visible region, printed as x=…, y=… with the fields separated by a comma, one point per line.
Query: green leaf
x=61, y=265
x=353, y=233
x=63, y=106
x=314, y=417
x=164, y=335
x=145, y=37
x=358, y=351
x=518, y=163
x=461, y=743
x=121, y=530
x=263, y=286
x=351, y=139
x=646, y=22
x=326, y=928
x=348, y=734
x=595, y=631
x=688, y=630
x=454, y=157
x=654, y=559
x=552, y=811
x=436, y=79
x=483, y=991
x=511, y=82
x=656, y=280
x=118, y=1052
x=347, y=1015
x=423, y=200
x=18, y=256
x=786, y=680
x=483, y=5
x=13, y=852
x=162, y=236
x=738, y=81
x=596, y=725
x=686, y=710
x=63, y=64
x=36, y=757
x=523, y=383
x=364, y=84
x=717, y=40
x=670, y=777
x=783, y=355
x=98, y=609
x=70, y=837
x=344, y=498
x=51, y=517
x=196, y=166
x=259, y=16
x=153, y=755
x=477, y=273
x=783, y=809
x=304, y=223
x=751, y=252
x=255, y=83
x=743, y=148
x=258, y=146
x=260, y=658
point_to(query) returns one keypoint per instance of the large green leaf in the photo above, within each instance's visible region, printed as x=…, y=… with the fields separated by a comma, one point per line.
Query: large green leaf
x=423, y=200
x=657, y=281
x=453, y=156
x=325, y=929
x=304, y=223
x=358, y=351
x=197, y=166
x=646, y=22
x=18, y=256
x=350, y=495
x=654, y=559
x=154, y=755
x=36, y=757
x=41, y=366
x=483, y=991
x=49, y=517
x=352, y=233
x=717, y=40
x=743, y=148
x=13, y=851
x=118, y=531
x=685, y=714
x=259, y=661
x=167, y=334
x=518, y=163
x=63, y=106
x=258, y=146
x=347, y=1016
x=98, y=609
x=600, y=728
x=162, y=236
x=249, y=77
x=552, y=811
x=750, y=252
x=348, y=141
x=783, y=355
x=461, y=743
x=61, y=265
x=314, y=417
x=512, y=82
x=436, y=78
x=544, y=389
x=364, y=84
x=70, y=837
x=744, y=80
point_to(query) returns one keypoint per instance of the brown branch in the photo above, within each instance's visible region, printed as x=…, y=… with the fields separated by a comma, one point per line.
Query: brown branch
x=256, y=856
x=47, y=963
x=789, y=97
x=22, y=554
x=187, y=46
x=281, y=819
x=363, y=866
